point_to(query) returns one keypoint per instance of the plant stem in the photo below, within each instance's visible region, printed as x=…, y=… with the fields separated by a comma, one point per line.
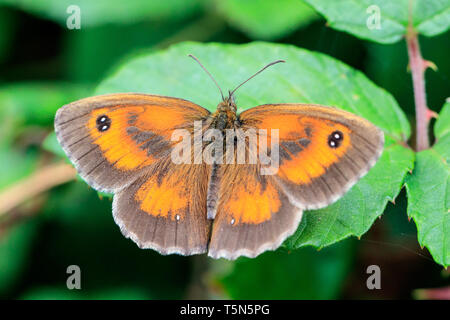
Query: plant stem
x=39, y=182
x=418, y=67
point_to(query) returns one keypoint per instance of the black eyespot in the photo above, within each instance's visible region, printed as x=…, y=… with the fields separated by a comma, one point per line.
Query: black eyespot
x=103, y=123
x=335, y=139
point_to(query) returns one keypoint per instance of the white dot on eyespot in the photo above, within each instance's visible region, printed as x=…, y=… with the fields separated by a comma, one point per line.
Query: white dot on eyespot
x=232, y=221
x=102, y=119
x=104, y=127
x=337, y=136
x=177, y=217
x=332, y=143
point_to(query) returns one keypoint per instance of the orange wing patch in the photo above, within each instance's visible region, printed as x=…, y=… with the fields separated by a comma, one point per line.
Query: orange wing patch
x=161, y=120
x=287, y=124
x=317, y=155
x=252, y=203
x=253, y=200
x=305, y=152
x=117, y=145
x=164, y=199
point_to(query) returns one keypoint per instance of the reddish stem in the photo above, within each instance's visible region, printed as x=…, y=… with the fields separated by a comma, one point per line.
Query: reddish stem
x=418, y=67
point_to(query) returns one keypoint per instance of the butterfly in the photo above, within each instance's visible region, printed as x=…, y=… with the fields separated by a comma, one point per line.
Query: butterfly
x=124, y=143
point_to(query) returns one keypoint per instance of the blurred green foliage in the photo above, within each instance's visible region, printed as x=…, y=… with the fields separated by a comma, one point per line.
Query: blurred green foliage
x=43, y=66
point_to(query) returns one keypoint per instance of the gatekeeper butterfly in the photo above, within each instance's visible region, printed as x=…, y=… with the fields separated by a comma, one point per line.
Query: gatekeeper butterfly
x=124, y=144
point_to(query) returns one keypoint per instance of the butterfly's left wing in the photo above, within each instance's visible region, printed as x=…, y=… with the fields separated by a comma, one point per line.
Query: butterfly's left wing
x=322, y=152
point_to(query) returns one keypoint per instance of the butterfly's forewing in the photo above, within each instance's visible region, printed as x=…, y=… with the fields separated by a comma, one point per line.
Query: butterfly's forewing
x=323, y=151
x=111, y=138
x=121, y=143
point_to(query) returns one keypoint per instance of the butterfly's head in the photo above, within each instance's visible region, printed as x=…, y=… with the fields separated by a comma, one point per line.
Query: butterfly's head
x=227, y=104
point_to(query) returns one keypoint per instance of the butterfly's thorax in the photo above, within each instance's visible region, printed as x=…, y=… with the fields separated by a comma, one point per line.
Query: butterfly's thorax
x=225, y=115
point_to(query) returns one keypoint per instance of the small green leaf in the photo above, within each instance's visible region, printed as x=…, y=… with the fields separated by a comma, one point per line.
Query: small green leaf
x=306, y=77
x=428, y=190
x=107, y=11
x=359, y=17
x=262, y=19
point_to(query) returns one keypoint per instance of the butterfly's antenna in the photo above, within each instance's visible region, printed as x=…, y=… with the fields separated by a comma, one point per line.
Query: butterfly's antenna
x=209, y=74
x=270, y=64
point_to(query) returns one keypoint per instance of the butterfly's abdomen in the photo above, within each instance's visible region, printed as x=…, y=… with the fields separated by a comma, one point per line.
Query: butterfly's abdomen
x=212, y=196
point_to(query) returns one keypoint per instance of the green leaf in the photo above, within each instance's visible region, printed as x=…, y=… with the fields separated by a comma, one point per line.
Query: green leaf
x=108, y=11
x=307, y=77
x=261, y=19
x=301, y=274
x=428, y=189
x=429, y=17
